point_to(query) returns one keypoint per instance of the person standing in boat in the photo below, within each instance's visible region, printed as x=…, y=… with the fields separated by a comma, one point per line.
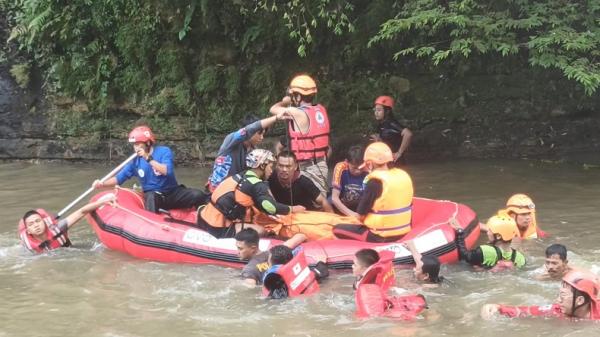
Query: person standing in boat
x=246, y=242
x=389, y=130
x=233, y=202
x=231, y=158
x=154, y=169
x=347, y=182
x=385, y=208
x=40, y=232
x=291, y=187
x=308, y=129
x=497, y=255
x=578, y=298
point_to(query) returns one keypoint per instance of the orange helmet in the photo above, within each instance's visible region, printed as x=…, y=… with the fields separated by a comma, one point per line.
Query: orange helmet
x=304, y=85
x=378, y=153
x=385, y=101
x=503, y=225
x=520, y=204
x=141, y=134
x=587, y=283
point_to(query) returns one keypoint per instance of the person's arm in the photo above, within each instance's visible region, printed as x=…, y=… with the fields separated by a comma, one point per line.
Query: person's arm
x=74, y=217
x=266, y=203
x=488, y=311
x=295, y=114
x=473, y=257
x=410, y=245
x=295, y=240
x=126, y=173
x=406, y=135
x=321, y=200
x=372, y=191
x=337, y=202
x=163, y=165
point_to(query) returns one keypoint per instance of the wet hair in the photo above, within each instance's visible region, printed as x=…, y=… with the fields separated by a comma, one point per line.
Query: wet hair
x=557, y=249
x=30, y=213
x=287, y=154
x=367, y=257
x=431, y=266
x=248, y=236
x=280, y=254
x=355, y=155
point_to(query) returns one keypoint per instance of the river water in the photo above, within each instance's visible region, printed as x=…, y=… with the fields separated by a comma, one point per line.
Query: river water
x=89, y=290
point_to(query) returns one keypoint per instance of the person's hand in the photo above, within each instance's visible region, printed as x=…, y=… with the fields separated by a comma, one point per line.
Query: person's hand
x=286, y=115
x=286, y=101
x=489, y=310
x=397, y=155
x=142, y=152
x=298, y=209
x=97, y=184
x=354, y=214
x=108, y=198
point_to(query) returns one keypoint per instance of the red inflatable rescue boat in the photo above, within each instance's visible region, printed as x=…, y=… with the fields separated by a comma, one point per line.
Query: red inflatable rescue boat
x=127, y=227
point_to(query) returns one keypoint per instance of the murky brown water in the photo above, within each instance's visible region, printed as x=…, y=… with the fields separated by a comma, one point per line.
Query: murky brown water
x=90, y=291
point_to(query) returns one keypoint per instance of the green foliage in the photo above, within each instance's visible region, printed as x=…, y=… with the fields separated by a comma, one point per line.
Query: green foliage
x=20, y=73
x=209, y=63
x=558, y=34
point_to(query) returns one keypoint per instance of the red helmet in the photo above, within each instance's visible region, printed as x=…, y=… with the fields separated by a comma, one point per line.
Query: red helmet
x=587, y=283
x=141, y=134
x=385, y=101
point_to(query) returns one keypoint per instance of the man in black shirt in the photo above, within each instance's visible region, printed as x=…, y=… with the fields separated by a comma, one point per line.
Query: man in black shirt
x=290, y=187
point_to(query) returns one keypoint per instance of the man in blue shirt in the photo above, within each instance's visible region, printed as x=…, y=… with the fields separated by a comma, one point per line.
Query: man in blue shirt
x=231, y=158
x=155, y=171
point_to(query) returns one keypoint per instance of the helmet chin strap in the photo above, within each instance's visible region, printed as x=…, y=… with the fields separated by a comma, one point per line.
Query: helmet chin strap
x=576, y=293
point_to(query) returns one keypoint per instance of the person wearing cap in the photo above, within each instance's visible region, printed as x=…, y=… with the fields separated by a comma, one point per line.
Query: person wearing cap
x=385, y=207
x=522, y=209
x=498, y=254
x=389, y=130
x=231, y=157
x=556, y=263
x=234, y=200
x=308, y=130
x=155, y=171
x=578, y=298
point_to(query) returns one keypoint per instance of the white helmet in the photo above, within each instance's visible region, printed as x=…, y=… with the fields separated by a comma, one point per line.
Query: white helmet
x=258, y=157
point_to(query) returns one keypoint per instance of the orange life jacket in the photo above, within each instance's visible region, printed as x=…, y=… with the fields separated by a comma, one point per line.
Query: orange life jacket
x=380, y=273
x=315, y=143
x=296, y=275
x=230, y=201
x=371, y=293
x=54, y=237
x=392, y=211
